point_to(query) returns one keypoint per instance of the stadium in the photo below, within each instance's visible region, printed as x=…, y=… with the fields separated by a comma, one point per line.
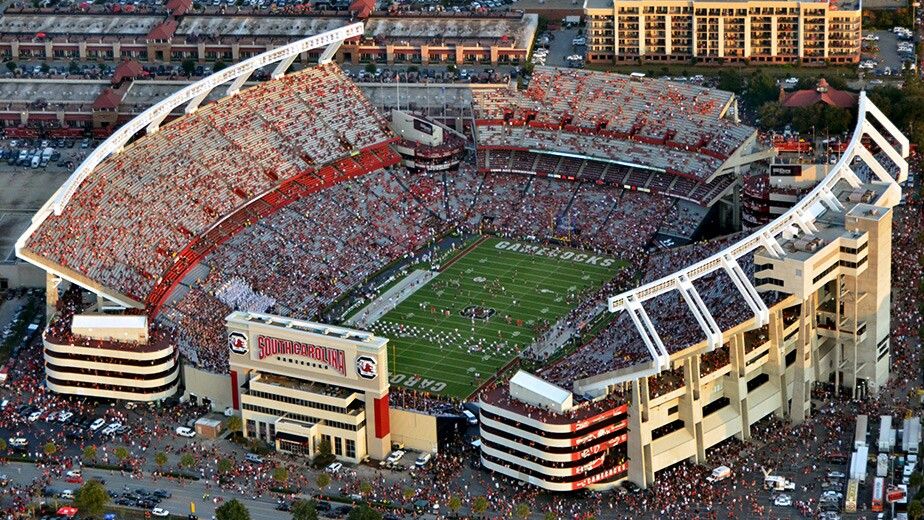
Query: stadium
x=272, y=251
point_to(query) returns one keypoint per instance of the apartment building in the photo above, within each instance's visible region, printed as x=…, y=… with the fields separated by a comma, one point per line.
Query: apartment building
x=808, y=32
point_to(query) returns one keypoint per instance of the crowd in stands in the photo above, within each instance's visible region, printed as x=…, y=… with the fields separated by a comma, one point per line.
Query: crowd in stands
x=138, y=208
x=619, y=346
x=600, y=172
x=302, y=258
x=648, y=121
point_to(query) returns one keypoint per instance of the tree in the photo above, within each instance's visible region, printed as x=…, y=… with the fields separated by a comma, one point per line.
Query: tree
x=280, y=474
x=408, y=493
x=325, y=453
x=11, y=66
x=455, y=504
x=370, y=68
x=89, y=453
x=234, y=423
x=219, y=65
x=915, y=510
x=323, y=480
x=772, y=115
x=730, y=79
x=45, y=68
x=50, y=448
x=232, y=510
x=480, y=505
x=761, y=89
x=189, y=66
x=91, y=499
x=916, y=479
x=550, y=515
x=121, y=453
x=224, y=466
x=304, y=510
x=3, y=445
x=521, y=511
x=365, y=488
x=160, y=458
x=73, y=67
x=187, y=461
x=364, y=512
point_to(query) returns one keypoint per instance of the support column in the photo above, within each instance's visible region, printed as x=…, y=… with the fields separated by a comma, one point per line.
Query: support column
x=638, y=446
x=736, y=391
x=668, y=44
x=690, y=407
x=800, y=409
x=776, y=360
x=51, y=295
x=641, y=33
x=747, y=36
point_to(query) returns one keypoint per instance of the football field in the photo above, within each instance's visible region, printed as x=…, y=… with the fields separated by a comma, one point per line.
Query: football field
x=484, y=307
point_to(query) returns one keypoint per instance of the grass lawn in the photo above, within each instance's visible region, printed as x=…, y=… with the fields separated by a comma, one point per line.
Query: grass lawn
x=456, y=331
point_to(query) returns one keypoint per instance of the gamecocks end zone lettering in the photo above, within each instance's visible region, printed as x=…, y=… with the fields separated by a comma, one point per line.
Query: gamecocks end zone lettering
x=332, y=357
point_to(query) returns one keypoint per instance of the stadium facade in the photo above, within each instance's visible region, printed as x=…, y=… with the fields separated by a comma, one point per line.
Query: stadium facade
x=820, y=303
x=299, y=383
x=813, y=284
x=723, y=32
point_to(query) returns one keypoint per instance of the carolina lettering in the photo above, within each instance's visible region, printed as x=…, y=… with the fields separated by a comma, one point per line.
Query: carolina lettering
x=332, y=357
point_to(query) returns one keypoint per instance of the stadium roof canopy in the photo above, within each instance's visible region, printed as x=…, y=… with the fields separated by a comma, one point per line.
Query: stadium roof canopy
x=539, y=392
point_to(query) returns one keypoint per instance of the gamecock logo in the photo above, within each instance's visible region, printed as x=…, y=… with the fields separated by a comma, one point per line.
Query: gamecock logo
x=366, y=367
x=237, y=342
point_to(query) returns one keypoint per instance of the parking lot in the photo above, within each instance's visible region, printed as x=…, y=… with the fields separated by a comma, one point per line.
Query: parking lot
x=885, y=55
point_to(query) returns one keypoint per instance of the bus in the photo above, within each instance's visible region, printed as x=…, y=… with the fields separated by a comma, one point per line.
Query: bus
x=859, y=438
x=850, y=500
x=878, y=494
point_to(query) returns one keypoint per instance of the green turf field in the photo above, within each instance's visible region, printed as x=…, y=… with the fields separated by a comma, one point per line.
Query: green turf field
x=436, y=345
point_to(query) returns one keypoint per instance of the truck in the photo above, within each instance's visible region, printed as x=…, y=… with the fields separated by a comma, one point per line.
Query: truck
x=882, y=465
x=850, y=499
x=886, y=442
x=718, y=474
x=777, y=483
x=911, y=435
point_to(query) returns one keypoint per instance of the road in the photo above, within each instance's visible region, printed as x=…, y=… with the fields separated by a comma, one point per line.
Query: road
x=184, y=494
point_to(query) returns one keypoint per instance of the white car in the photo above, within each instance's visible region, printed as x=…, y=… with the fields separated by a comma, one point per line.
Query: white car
x=183, y=431
x=157, y=511
x=395, y=456
x=832, y=495
x=64, y=416
x=73, y=473
x=67, y=494
x=836, y=474
x=34, y=416
x=334, y=467
x=783, y=501
x=97, y=424
x=422, y=460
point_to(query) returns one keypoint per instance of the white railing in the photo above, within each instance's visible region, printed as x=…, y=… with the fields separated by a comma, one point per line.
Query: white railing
x=799, y=219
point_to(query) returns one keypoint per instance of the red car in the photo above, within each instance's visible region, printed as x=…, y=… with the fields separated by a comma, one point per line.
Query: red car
x=74, y=479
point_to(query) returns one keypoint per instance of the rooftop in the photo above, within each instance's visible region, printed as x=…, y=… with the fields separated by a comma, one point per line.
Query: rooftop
x=51, y=91
x=519, y=31
x=236, y=26
x=75, y=24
